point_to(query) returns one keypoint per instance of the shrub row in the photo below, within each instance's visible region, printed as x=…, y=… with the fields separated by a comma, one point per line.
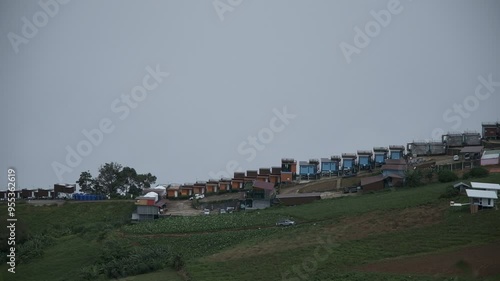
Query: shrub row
x=118, y=260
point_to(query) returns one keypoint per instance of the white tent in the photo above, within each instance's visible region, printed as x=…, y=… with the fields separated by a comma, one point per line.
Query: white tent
x=152, y=195
x=159, y=187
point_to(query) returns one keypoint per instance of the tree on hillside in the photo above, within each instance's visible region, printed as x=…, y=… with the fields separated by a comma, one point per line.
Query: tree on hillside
x=128, y=180
x=109, y=177
x=146, y=180
x=86, y=182
x=113, y=179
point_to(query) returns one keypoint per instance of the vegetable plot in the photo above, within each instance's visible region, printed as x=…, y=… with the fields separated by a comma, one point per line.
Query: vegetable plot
x=204, y=223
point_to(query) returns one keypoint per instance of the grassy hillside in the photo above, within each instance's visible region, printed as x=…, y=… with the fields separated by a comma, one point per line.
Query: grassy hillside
x=333, y=240
x=75, y=229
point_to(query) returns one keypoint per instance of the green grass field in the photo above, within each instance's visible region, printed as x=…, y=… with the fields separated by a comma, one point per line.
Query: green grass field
x=332, y=240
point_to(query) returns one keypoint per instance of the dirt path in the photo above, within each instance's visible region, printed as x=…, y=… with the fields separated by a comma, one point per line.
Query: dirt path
x=181, y=208
x=291, y=189
x=476, y=261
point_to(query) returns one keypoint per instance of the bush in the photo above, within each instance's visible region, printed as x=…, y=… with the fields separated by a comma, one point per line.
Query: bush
x=22, y=235
x=429, y=175
x=89, y=273
x=477, y=172
x=447, y=176
x=118, y=259
x=450, y=192
x=413, y=178
x=33, y=248
x=178, y=262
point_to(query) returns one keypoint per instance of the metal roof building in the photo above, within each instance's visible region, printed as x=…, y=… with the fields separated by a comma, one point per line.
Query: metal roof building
x=490, y=159
x=481, y=198
x=487, y=194
x=487, y=186
x=472, y=149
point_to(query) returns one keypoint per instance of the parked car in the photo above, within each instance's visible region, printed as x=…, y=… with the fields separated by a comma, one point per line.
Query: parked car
x=456, y=158
x=206, y=211
x=222, y=211
x=286, y=222
x=197, y=196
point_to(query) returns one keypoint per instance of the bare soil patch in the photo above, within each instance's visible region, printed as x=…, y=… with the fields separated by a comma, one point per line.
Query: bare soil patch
x=476, y=261
x=320, y=186
x=494, y=169
x=181, y=208
x=222, y=197
x=382, y=222
x=291, y=188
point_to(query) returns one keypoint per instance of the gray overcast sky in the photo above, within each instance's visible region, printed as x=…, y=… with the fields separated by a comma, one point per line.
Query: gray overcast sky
x=227, y=76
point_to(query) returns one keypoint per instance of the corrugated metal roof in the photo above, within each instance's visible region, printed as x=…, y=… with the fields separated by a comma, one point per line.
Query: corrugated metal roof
x=488, y=194
x=482, y=185
x=461, y=184
x=490, y=156
x=393, y=167
x=370, y=180
x=263, y=185
x=393, y=175
x=161, y=203
x=472, y=149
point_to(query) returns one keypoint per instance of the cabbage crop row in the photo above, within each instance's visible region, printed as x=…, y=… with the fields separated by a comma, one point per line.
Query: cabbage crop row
x=204, y=223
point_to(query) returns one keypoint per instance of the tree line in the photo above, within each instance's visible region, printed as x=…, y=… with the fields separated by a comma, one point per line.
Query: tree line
x=114, y=180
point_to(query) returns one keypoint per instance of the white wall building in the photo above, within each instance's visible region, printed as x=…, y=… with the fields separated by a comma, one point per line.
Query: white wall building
x=483, y=198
